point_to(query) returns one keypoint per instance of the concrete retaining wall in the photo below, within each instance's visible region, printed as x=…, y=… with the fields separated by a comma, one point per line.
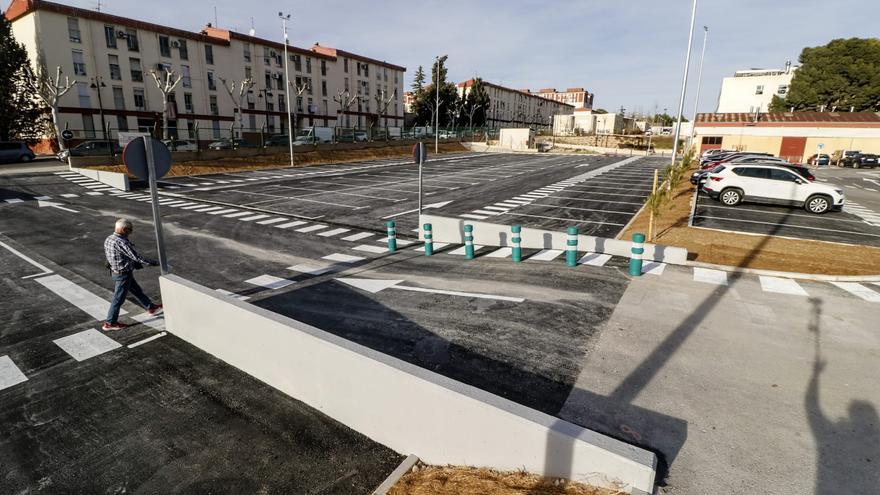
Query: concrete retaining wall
x=112, y=179
x=404, y=407
x=451, y=230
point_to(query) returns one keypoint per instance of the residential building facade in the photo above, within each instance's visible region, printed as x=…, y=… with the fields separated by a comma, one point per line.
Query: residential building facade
x=516, y=107
x=576, y=97
x=751, y=91
x=111, y=58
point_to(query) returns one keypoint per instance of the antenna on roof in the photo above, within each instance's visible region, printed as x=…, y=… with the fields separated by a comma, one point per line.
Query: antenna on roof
x=253, y=30
x=98, y=7
x=215, y=17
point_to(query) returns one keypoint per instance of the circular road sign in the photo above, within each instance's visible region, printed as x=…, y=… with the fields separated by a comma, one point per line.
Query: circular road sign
x=134, y=155
x=67, y=134
x=820, y=145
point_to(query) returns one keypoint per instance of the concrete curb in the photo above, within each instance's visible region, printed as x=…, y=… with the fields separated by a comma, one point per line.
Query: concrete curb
x=395, y=475
x=794, y=275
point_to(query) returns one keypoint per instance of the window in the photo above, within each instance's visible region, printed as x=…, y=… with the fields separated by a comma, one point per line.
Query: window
x=185, y=77
x=323, y=88
x=759, y=90
x=378, y=74
x=711, y=139
x=118, y=98
x=385, y=74
x=309, y=65
x=88, y=126
x=281, y=101
x=299, y=104
x=188, y=102
x=279, y=81
x=191, y=129
x=110, y=36
x=121, y=123
x=209, y=54
x=213, y=104
x=164, y=46
x=182, y=50
x=345, y=65
x=215, y=126
x=266, y=57
x=139, y=101
x=366, y=70
x=326, y=112
x=73, y=30
x=136, y=73
x=311, y=108
x=755, y=173
x=211, y=84
x=115, y=71
x=782, y=175
x=247, y=73
x=82, y=90
x=308, y=81
x=782, y=89
x=247, y=52
x=297, y=63
x=131, y=36
x=346, y=84
x=79, y=64
x=323, y=67
x=268, y=79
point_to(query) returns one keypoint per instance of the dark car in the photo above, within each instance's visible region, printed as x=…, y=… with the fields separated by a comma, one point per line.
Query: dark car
x=821, y=161
x=866, y=160
x=15, y=151
x=228, y=144
x=278, y=140
x=92, y=148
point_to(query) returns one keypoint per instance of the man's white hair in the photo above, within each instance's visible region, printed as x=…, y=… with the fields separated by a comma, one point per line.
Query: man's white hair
x=123, y=223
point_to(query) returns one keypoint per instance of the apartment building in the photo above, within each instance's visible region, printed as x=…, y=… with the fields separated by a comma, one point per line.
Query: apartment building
x=111, y=58
x=751, y=91
x=579, y=98
x=517, y=107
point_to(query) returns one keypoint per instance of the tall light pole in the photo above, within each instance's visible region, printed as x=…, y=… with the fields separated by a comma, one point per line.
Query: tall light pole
x=438, y=61
x=699, y=86
x=687, y=63
x=290, y=130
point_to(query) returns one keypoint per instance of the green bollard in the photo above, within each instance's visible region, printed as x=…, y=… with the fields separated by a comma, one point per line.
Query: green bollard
x=635, y=259
x=392, y=236
x=429, y=240
x=469, y=242
x=516, y=255
x=571, y=253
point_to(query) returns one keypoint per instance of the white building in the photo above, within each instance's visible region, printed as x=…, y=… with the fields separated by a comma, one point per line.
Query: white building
x=576, y=97
x=111, y=57
x=516, y=107
x=750, y=91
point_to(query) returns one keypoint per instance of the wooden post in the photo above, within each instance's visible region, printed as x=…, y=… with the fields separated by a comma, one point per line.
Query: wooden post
x=651, y=218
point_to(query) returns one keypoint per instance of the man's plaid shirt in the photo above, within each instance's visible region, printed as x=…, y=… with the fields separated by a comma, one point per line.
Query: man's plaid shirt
x=121, y=254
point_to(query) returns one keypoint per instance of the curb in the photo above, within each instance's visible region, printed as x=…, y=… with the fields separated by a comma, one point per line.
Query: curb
x=794, y=275
x=395, y=475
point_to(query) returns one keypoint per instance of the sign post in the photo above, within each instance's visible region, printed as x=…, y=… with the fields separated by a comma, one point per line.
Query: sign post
x=419, y=158
x=149, y=159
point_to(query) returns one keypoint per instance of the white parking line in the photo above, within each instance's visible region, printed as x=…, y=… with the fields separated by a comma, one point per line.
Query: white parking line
x=223, y=212
x=788, y=226
x=87, y=344
x=859, y=290
x=290, y=224
x=343, y=258
x=148, y=339
x=359, y=236
x=474, y=217
x=239, y=214
x=461, y=250
x=370, y=249
x=708, y=276
x=781, y=286
x=232, y=294
x=91, y=304
x=331, y=233
x=311, y=269
x=254, y=217
x=594, y=259
x=570, y=220
x=436, y=247
x=312, y=228
x=545, y=255
x=271, y=221
x=9, y=373
x=653, y=267
x=502, y=252
x=270, y=282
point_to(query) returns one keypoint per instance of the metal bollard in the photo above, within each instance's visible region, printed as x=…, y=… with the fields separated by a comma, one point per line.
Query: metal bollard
x=429, y=240
x=516, y=254
x=392, y=236
x=469, y=242
x=635, y=259
x=571, y=253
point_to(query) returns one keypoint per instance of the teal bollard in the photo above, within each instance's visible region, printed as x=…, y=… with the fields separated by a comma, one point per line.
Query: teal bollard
x=571, y=253
x=429, y=239
x=516, y=241
x=635, y=258
x=469, y=242
x=392, y=236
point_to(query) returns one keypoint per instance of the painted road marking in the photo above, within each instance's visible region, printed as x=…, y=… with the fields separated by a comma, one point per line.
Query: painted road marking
x=343, y=258
x=156, y=322
x=437, y=246
x=500, y=253
x=223, y=212
x=92, y=304
x=708, y=276
x=374, y=285
x=9, y=373
x=475, y=217
x=653, y=267
x=370, y=249
x=859, y=290
x=87, y=344
x=148, y=339
x=14, y=200
x=361, y=235
x=239, y=214
x=331, y=233
x=69, y=195
x=193, y=207
x=400, y=242
x=497, y=209
x=594, y=259
x=271, y=221
x=311, y=269
x=781, y=286
x=312, y=228
x=254, y=217
x=208, y=208
x=545, y=255
x=232, y=294
x=290, y=224
x=269, y=282
x=43, y=269
x=484, y=212
x=460, y=251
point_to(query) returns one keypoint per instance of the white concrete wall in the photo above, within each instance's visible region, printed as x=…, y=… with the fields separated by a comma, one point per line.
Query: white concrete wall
x=112, y=179
x=402, y=406
x=515, y=139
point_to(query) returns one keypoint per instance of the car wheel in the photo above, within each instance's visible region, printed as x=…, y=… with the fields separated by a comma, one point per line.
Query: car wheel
x=856, y=165
x=818, y=204
x=731, y=197
x=26, y=158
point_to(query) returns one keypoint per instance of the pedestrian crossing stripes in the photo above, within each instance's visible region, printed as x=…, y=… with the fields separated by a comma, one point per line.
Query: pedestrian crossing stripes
x=10, y=374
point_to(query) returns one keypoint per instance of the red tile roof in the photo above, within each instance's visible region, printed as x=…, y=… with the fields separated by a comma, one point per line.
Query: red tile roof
x=789, y=118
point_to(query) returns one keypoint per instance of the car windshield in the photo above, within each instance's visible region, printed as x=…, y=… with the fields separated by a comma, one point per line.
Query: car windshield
x=718, y=169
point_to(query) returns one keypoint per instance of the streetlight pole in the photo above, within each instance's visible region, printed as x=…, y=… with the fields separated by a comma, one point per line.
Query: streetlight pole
x=699, y=86
x=97, y=84
x=290, y=130
x=687, y=63
x=437, y=109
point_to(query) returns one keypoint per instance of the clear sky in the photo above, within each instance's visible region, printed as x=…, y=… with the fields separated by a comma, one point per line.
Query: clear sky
x=629, y=53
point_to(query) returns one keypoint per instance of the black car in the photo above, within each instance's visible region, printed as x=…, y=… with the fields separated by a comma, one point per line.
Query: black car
x=866, y=160
x=15, y=151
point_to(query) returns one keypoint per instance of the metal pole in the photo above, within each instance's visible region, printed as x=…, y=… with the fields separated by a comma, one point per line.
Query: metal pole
x=687, y=63
x=699, y=86
x=157, y=220
x=421, y=162
x=287, y=87
x=437, y=111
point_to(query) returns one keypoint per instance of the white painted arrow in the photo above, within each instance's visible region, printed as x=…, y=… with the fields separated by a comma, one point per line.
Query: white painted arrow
x=373, y=286
x=871, y=181
x=432, y=205
x=43, y=204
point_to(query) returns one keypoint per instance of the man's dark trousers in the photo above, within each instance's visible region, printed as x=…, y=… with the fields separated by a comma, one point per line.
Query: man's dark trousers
x=126, y=283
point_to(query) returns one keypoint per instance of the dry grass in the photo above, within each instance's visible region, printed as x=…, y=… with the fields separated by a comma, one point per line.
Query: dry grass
x=453, y=480
x=281, y=160
x=753, y=251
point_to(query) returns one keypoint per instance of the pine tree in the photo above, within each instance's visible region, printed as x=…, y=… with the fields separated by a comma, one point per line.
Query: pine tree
x=21, y=117
x=418, y=84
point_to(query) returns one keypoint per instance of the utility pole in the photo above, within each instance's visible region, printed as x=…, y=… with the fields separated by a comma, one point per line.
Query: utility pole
x=687, y=63
x=439, y=60
x=284, y=19
x=699, y=86
x=97, y=84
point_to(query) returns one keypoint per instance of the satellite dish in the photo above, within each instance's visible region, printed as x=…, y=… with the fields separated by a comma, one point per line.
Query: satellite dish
x=252, y=32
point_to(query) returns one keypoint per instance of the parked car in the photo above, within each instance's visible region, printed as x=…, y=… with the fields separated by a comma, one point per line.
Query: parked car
x=227, y=144
x=822, y=160
x=277, y=140
x=862, y=160
x=709, y=165
x=762, y=183
x=91, y=148
x=305, y=141
x=361, y=136
x=699, y=177
x=15, y=151
x=180, y=145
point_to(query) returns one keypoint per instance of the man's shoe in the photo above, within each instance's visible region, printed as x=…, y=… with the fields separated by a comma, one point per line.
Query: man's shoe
x=156, y=308
x=113, y=326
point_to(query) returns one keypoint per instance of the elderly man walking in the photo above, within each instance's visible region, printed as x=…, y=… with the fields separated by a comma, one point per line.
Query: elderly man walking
x=123, y=260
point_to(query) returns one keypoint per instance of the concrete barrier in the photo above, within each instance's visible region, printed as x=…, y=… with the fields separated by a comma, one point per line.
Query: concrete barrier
x=450, y=230
x=112, y=179
x=402, y=406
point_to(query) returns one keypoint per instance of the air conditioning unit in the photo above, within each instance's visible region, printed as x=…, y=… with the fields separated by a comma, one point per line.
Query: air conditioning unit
x=272, y=53
x=121, y=35
x=313, y=109
x=175, y=44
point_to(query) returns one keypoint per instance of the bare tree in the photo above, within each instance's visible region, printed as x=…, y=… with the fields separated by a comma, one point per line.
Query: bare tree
x=236, y=94
x=50, y=91
x=382, y=107
x=471, y=112
x=298, y=90
x=346, y=100
x=166, y=84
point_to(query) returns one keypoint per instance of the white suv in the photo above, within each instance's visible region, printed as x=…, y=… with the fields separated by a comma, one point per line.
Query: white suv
x=768, y=183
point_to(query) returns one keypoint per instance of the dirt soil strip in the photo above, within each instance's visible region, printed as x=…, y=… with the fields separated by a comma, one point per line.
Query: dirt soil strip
x=752, y=250
x=452, y=480
x=234, y=164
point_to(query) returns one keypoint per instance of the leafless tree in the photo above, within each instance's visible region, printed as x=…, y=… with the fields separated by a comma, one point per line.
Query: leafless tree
x=50, y=91
x=382, y=107
x=237, y=93
x=471, y=112
x=166, y=84
x=346, y=100
x=298, y=90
